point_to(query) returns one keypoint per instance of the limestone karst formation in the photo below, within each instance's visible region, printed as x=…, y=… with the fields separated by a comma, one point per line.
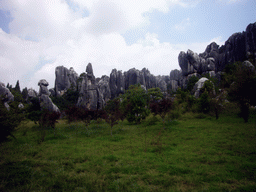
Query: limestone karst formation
x=44, y=99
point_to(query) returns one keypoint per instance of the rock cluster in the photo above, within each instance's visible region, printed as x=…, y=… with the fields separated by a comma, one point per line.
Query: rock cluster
x=45, y=100
x=65, y=79
x=6, y=95
x=89, y=95
x=239, y=47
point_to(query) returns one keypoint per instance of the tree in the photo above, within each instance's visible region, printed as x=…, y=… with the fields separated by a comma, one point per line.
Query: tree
x=155, y=94
x=9, y=120
x=204, y=102
x=135, y=101
x=242, y=90
x=161, y=107
x=112, y=112
x=17, y=87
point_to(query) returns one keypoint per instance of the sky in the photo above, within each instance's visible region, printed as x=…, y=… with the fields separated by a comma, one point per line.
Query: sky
x=38, y=36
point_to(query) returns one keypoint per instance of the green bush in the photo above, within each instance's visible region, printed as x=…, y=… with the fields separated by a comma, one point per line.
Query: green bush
x=9, y=120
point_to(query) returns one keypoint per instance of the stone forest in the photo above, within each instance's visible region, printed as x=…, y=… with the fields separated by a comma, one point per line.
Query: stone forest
x=192, y=130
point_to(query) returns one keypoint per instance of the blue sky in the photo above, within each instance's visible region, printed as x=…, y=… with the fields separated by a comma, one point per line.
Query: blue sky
x=38, y=36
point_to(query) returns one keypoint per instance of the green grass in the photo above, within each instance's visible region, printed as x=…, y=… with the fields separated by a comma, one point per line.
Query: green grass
x=195, y=153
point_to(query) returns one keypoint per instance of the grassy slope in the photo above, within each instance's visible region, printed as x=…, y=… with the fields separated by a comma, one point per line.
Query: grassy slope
x=188, y=155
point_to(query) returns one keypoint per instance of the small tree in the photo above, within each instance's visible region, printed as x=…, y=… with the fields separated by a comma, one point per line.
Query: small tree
x=135, y=101
x=242, y=90
x=112, y=112
x=9, y=120
x=204, y=102
x=161, y=107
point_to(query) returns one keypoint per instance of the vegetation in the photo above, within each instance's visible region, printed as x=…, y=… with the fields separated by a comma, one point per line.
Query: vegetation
x=191, y=154
x=135, y=101
x=199, y=149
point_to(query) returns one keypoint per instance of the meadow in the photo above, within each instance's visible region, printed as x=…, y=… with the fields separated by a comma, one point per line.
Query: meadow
x=194, y=153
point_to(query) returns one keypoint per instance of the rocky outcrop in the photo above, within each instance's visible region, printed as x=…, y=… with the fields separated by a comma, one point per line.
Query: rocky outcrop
x=174, y=79
x=199, y=84
x=104, y=88
x=65, y=79
x=116, y=83
x=5, y=95
x=32, y=93
x=239, y=47
x=89, y=96
x=44, y=99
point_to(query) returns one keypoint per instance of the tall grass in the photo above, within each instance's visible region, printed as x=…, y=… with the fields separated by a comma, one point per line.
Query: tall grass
x=193, y=153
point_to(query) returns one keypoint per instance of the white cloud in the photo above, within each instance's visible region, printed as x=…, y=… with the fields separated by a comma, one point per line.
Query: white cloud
x=183, y=25
x=66, y=38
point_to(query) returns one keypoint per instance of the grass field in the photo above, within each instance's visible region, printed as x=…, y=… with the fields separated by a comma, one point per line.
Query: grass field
x=194, y=153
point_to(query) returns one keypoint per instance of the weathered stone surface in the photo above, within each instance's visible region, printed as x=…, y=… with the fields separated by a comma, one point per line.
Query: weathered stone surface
x=65, y=79
x=161, y=83
x=238, y=47
x=5, y=93
x=248, y=65
x=44, y=99
x=46, y=103
x=175, y=75
x=104, y=88
x=52, y=92
x=199, y=84
x=43, y=87
x=20, y=106
x=116, y=83
x=89, y=96
x=32, y=93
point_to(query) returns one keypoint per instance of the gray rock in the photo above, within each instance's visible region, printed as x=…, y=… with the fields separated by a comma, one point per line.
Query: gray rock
x=44, y=99
x=248, y=65
x=32, y=93
x=5, y=93
x=175, y=75
x=199, y=84
x=89, y=96
x=20, y=106
x=43, y=87
x=104, y=88
x=46, y=103
x=65, y=79
x=116, y=83
x=52, y=92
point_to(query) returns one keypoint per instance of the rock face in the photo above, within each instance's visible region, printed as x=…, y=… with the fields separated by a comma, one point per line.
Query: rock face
x=6, y=95
x=104, y=88
x=174, y=79
x=32, y=93
x=239, y=47
x=45, y=100
x=116, y=83
x=89, y=96
x=65, y=79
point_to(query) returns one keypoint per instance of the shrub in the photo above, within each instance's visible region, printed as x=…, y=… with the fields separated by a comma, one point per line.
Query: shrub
x=204, y=103
x=9, y=120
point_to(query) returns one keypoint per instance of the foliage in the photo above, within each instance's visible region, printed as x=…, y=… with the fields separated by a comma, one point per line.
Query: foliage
x=33, y=110
x=112, y=112
x=69, y=98
x=191, y=83
x=135, y=101
x=9, y=120
x=161, y=107
x=209, y=87
x=189, y=155
x=204, y=102
x=243, y=89
x=155, y=94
